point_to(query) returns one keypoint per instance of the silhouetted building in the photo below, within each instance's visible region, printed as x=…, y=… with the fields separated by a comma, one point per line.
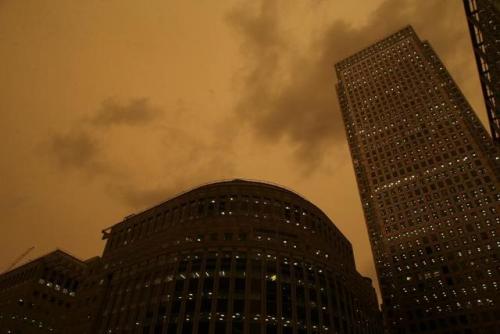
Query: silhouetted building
x=233, y=257
x=483, y=18
x=90, y=296
x=428, y=177
x=38, y=297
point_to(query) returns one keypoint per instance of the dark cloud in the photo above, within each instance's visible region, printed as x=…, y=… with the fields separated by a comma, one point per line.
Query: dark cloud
x=138, y=196
x=189, y=161
x=74, y=149
x=81, y=147
x=289, y=94
x=136, y=112
x=180, y=158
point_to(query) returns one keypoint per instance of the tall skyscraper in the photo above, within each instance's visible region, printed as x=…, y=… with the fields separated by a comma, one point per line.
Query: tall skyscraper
x=428, y=176
x=483, y=18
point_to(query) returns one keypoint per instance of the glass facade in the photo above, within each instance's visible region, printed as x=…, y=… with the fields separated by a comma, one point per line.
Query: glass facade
x=233, y=257
x=428, y=176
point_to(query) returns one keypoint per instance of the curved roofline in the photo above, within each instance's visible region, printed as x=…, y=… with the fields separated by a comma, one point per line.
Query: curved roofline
x=234, y=181
x=251, y=181
x=226, y=181
x=268, y=184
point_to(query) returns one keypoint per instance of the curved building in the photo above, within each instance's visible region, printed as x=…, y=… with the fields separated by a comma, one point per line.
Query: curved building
x=233, y=257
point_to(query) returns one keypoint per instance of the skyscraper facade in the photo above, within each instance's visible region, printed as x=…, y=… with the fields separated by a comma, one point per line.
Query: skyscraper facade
x=428, y=176
x=483, y=18
x=233, y=257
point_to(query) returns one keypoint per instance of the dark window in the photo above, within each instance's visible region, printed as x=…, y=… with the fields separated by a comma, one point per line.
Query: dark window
x=210, y=264
x=271, y=329
x=301, y=313
x=239, y=285
x=203, y=327
x=211, y=208
x=314, y=316
x=255, y=328
x=158, y=328
x=255, y=307
x=256, y=286
x=225, y=264
x=286, y=300
x=179, y=286
x=196, y=265
x=239, y=306
x=190, y=306
x=220, y=327
x=176, y=306
x=271, y=298
x=221, y=305
x=183, y=266
x=256, y=267
x=172, y=328
x=206, y=305
x=208, y=285
x=187, y=328
x=237, y=327
x=193, y=285
x=241, y=264
x=223, y=284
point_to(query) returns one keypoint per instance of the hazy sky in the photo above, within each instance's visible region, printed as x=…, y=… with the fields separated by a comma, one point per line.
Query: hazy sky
x=108, y=107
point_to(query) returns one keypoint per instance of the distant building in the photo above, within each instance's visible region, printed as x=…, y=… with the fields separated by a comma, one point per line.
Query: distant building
x=233, y=257
x=39, y=297
x=89, y=299
x=428, y=176
x=483, y=18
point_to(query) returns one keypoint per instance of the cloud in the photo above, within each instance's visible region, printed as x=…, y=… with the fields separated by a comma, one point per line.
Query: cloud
x=74, y=149
x=287, y=90
x=200, y=171
x=188, y=161
x=135, y=196
x=136, y=112
x=146, y=161
x=81, y=148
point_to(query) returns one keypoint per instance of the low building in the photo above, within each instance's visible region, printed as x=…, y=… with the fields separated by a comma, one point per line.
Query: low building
x=38, y=297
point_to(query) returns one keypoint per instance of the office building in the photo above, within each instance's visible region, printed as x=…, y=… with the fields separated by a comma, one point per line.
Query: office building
x=483, y=18
x=39, y=296
x=233, y=257
x=89, y=298
x=428, y=176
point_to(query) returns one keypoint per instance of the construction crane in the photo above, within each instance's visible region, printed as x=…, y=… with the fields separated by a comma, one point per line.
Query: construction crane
x=19, y=259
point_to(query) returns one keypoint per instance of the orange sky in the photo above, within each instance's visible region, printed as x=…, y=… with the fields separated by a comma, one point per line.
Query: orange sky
x=108, y=107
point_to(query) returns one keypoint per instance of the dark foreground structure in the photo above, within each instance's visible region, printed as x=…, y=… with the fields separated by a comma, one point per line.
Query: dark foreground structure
x=483, y=18
x=428, y=176
x=229, y=257
x=40, y=296
x=234, y=257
